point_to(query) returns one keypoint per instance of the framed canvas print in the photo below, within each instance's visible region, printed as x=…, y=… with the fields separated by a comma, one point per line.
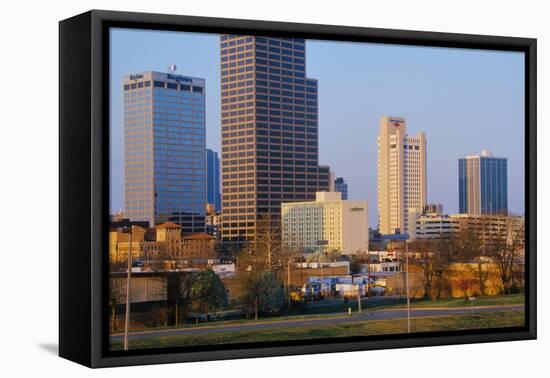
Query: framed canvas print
x=233, y=188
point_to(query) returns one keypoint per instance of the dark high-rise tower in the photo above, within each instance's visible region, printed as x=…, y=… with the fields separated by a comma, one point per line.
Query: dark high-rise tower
x=340, y=185
x=213, y=193
x=270, y=151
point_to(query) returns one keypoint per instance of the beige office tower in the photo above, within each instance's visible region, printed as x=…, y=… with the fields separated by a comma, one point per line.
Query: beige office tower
x=401, y=174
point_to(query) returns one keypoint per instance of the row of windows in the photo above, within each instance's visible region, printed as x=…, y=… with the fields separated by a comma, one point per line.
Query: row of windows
x=276, y=59
x=233, y=50
x=181, y=87
x=300, y=132
x=249, y=89
x=237, y=99
x=304, y=117
x=285, y=100
x=406, y=147
x=141, y=84
x=288, y=183
x=247, y=108
x=299, y=43
x=237, y=78
x=236, y=39
x=162, y=84
x=235, y=71
x=287, y=147
x=278, y=50
x=290, y=188
x=226, y=58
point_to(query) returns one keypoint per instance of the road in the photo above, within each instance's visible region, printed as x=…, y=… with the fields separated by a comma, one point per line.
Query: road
x=339, y=318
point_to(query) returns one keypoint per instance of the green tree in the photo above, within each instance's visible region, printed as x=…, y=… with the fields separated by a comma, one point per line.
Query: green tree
x=262, y=293
x=207, y=293
x=178, y=289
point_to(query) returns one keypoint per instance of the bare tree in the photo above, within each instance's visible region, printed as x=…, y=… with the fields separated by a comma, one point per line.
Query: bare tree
x=426, y=262
x=443, y=257
x=473, y=249
x=115, y=293
x=503, y=251
x=268, y=243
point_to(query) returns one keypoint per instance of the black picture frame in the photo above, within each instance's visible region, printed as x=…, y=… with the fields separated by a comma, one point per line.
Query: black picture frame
x=84, y=193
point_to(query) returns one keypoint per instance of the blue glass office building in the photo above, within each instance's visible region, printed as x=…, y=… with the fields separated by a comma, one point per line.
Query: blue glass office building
x=483, y=184
x=165, y=149
x=340, y=185
x=213, y=192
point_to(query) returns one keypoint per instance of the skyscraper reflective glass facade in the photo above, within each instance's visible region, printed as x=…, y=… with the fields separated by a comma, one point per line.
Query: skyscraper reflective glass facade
x=213, y=188
x=483, y=184
x=340, y=185
x=165, y=149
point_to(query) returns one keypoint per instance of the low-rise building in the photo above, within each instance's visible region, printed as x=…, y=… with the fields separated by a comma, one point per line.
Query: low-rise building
x=213, y=221
x=494, y=227
x=198, y=246
x=326, y=224
x=143, y=244
x=431, y=224
x=166, y=242
x=487, y=228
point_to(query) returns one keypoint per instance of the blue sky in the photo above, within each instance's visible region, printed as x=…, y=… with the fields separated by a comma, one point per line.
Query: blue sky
x=464, y=100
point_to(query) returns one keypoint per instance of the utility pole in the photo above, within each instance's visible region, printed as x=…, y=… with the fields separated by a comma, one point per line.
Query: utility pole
x=358, y=299
x=407, y=284
x=404, y=237
x=288, y=284
x=128, y=280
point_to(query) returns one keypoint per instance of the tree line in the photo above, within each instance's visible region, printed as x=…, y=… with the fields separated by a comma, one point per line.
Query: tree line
x=436, y=257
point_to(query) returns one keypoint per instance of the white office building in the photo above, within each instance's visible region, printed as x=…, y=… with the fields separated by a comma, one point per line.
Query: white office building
x=431, y=224
x=326, y=224
x=401, y=174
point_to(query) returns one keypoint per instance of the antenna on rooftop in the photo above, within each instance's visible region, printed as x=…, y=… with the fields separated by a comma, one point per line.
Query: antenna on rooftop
x=172, y=68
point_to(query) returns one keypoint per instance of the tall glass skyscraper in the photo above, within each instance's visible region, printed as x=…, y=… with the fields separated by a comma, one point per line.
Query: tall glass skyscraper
x=270, y=150
x=213, y=193
x=483, y=184
x=165, y=149
x=340, y=185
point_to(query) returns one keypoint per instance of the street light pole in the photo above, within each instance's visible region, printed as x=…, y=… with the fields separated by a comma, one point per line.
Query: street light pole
x=288, y=284
x=358, y=299
x=407, y=285
x=128, y=280
x=403, y=237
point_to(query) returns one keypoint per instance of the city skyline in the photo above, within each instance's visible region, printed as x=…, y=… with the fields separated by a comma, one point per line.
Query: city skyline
x=338, y=115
